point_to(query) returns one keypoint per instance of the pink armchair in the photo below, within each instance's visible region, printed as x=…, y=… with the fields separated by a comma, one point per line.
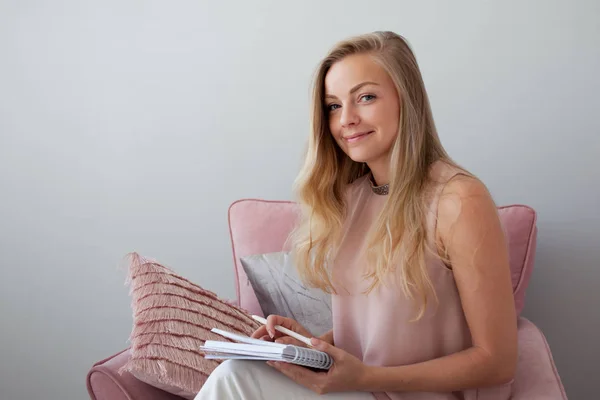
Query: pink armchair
x=260, y=226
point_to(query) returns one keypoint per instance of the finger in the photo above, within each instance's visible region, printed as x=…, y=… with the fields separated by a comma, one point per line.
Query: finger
x=262, y=331
x=285, y=322
x=290, y=340
x=326, y=347
x=273, y=320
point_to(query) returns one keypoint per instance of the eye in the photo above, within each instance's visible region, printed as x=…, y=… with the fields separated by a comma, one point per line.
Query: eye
x=367, y=97
x=332, y=107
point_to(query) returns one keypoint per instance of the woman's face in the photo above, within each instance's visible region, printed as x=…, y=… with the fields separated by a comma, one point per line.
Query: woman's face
x=363, y=108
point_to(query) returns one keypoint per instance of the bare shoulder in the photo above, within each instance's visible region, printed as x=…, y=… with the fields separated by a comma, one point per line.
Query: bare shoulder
x=463, y=190
x=465, y=201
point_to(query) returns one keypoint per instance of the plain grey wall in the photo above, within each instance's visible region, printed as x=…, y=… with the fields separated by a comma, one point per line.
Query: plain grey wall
x=132, y=125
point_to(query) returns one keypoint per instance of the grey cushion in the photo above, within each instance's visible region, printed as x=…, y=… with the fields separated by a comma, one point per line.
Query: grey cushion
x=280, y=291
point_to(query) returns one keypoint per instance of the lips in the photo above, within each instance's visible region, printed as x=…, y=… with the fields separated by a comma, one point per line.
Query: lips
x=357, y=136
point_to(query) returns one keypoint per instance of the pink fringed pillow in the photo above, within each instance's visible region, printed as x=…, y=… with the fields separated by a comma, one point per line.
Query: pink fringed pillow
x=172, y=317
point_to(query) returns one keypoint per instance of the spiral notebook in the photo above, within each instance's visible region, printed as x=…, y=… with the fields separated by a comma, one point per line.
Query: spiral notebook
x=255, y=349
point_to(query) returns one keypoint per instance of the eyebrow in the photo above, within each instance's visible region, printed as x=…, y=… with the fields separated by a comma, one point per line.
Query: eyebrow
x=354, y=89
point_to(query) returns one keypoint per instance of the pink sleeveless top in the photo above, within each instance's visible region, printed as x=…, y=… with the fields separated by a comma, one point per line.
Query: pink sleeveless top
x=376, y=327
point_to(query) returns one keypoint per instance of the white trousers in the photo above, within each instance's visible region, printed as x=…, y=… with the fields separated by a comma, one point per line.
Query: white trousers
x=255, y=380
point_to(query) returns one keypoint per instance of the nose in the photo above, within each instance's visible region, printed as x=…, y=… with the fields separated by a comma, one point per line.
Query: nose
x=349, y=116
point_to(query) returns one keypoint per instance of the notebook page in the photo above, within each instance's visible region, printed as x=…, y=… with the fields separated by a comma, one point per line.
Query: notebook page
x=227, y=356
x=241, y=348
x=246, y=339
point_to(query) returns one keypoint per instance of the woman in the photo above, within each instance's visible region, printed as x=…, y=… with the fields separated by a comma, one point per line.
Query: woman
x=409, y=244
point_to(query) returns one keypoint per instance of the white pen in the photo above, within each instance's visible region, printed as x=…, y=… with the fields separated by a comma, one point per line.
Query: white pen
x=286, y=331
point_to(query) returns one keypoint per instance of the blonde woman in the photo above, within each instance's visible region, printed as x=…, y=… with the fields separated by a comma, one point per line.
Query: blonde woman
x=408, y=243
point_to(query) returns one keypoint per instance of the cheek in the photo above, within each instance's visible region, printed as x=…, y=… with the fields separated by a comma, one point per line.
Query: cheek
x=389, y=119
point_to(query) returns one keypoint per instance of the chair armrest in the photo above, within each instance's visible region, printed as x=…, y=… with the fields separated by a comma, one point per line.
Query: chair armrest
x=536, y=376
x=105, y=383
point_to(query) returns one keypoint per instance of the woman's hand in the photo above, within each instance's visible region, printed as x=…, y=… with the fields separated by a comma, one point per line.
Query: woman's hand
x=267, y=332
x=348, y=373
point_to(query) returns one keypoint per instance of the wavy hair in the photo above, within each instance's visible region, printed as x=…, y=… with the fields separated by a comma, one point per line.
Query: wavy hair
x=397, y=240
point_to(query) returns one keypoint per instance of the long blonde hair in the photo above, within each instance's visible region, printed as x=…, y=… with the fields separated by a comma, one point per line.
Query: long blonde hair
x=398, y=238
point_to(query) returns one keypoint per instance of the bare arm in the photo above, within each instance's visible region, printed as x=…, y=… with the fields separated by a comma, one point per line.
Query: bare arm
x=471, y=234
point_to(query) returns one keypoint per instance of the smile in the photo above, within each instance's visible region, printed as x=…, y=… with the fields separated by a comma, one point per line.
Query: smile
x=357, y=138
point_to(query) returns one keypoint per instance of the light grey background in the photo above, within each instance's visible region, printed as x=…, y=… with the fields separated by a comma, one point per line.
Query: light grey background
x=132, y=125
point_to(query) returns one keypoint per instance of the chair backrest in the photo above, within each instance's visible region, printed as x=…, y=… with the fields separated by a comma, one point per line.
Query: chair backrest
x=262, y=226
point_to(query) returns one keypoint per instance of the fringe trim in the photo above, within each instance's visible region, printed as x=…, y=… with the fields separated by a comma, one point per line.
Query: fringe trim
x=140, y=266
x=180, y=342
x=158, y=274
x=166, y=373
x=179, y=328
x=157, y=300
x=188, y=359
x=171, y=316
x=168, y=294
x=205, y=317
x=170, y=328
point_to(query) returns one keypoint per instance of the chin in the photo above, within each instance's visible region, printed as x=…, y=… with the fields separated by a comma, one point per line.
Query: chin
x=360, y=158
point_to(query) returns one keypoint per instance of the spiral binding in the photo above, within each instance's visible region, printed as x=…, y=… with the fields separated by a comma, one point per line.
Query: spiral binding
x=307, y=357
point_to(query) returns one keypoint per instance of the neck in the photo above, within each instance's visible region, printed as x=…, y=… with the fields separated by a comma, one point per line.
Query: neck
x=380, y=171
